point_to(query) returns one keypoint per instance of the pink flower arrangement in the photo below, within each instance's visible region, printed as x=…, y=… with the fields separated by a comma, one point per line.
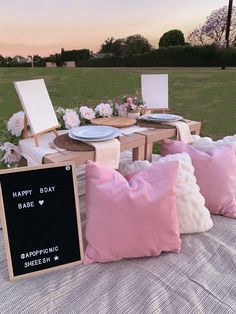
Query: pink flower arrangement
x=128, y=104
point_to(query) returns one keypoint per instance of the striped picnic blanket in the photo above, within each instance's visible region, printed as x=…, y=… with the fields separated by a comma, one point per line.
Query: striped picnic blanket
x=201, y=279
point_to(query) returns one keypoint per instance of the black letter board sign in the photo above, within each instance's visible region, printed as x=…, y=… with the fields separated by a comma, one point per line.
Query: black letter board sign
x=41, y=219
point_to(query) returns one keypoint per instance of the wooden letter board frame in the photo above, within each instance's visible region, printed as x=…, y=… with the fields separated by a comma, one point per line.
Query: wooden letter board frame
x=5, y=226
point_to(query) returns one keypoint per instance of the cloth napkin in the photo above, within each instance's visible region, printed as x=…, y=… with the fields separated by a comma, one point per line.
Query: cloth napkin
x=107, y=153
x=183, y=131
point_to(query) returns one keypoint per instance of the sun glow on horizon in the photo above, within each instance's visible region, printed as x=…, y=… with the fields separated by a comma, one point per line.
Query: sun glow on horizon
x=43, y=27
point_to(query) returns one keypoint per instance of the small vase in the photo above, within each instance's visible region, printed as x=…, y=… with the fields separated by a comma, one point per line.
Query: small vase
x=133, y=115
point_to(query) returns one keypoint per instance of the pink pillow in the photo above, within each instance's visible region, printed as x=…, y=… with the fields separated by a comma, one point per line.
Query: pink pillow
x=215, y=172
x=123, y=219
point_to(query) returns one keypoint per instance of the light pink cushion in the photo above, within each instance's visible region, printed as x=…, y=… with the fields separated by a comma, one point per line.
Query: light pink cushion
x=123, y=219
x=215, y=172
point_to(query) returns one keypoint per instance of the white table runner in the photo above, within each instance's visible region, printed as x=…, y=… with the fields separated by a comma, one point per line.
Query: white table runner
x=107, y=153
x=33, y=154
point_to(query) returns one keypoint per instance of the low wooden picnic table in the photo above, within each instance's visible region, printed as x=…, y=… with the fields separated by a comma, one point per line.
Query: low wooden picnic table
x=141, y=143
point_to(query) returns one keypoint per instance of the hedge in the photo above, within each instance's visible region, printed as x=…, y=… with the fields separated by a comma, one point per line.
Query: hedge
x=181, y=56
x=75, y=55
x=22, y=65
x=178, y=56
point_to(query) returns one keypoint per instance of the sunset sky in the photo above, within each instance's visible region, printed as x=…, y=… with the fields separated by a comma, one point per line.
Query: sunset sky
x=45, y=26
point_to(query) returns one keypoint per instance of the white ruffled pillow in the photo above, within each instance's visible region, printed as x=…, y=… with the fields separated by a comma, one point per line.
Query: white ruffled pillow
x=205, y=144
x=193, y=215
x=137, y=165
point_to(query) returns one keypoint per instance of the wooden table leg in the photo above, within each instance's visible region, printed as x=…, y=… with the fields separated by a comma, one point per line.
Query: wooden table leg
x=148, y=152
x=138, y=153
x=196, y=132
x=156, y=135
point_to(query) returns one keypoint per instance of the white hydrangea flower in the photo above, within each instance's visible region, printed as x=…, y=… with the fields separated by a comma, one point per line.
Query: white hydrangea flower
x=71, y=119
x=87, y=113
x=12, y=153
x=104, y=110
x=15, y=125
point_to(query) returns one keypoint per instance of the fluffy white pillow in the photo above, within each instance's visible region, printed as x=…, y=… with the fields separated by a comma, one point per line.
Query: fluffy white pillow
x=205, y=144
x=137, y=165
x=193, y=215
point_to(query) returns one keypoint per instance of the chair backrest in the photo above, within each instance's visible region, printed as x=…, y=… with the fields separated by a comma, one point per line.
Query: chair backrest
x=37, y=105
x=154, y=89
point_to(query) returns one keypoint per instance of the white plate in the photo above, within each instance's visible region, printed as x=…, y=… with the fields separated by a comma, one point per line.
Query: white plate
x=161, y=117
x=92, y=132
x=116, y=132
x=164, y=116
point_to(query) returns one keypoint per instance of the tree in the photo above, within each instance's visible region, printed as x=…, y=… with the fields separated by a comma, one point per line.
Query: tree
x=52, y=58
x=228, y=23
x=126, y=47
x=2, y=59
x=107, y=46
x=118, y=47
x=136, y=44
x=172, y=38
x=8, y=60
x=38, y=61
x=214, y=29
x=62, y=54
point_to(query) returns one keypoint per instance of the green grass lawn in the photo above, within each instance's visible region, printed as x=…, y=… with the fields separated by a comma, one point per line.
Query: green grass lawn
x=206, y=95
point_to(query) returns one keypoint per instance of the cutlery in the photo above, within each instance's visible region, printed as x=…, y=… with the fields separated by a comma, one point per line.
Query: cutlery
x=53, y=146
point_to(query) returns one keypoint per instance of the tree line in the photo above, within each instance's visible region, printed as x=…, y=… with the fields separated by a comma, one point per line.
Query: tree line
x=58, y=58
x=212, y=31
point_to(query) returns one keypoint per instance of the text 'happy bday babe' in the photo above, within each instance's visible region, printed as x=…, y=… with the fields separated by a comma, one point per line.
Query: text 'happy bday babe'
x=29, y=193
